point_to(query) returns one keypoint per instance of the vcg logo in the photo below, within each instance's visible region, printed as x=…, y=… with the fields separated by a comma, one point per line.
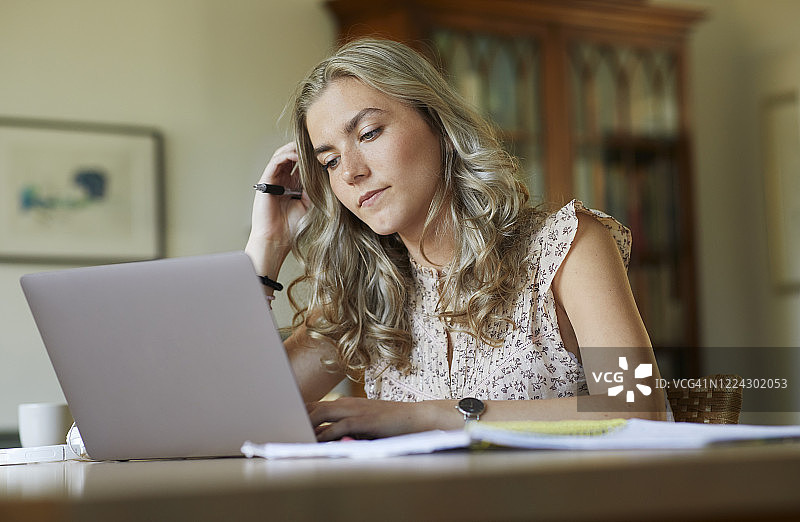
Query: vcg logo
x=642, y=371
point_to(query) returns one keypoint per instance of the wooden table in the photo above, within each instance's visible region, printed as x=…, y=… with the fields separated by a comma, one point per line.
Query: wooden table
x=729, y=483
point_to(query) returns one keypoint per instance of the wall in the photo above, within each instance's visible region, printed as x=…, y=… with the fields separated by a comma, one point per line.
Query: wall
x=774, y=59
x=212, y=75
x=740, y=54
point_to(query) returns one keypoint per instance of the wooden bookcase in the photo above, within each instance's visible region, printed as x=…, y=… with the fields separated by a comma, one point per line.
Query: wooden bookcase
x=591, y=95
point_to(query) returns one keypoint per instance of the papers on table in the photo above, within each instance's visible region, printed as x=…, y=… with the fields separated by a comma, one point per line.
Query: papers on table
x=425, y=442
x=617, y=435
x=638, y=434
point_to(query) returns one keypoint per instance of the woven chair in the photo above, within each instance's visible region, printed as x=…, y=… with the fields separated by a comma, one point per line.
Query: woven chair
x=714, y=404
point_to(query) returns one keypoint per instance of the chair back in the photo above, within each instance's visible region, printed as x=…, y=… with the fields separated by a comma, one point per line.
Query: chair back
x=720, y=402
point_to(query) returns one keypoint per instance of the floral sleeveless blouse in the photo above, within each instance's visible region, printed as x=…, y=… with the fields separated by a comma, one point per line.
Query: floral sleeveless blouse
x=531, y=364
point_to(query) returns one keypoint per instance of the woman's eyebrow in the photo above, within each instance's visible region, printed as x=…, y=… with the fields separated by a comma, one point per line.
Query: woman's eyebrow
x=350, y=126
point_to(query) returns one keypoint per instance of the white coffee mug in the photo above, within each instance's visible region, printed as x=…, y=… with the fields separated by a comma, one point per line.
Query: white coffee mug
x=43, y=424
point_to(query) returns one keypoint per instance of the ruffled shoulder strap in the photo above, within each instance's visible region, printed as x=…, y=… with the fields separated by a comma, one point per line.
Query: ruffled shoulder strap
x=550, y=244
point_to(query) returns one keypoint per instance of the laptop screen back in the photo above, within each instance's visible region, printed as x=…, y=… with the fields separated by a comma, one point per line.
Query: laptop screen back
x=169, y=358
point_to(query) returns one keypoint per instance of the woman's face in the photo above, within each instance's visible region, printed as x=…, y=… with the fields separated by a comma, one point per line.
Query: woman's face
x=383, y=159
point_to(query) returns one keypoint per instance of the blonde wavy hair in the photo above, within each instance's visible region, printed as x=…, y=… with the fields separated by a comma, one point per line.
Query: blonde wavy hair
x=357, y=282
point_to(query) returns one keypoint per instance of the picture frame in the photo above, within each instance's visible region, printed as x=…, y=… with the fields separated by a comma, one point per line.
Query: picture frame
x=781, y=156
x=78, y=193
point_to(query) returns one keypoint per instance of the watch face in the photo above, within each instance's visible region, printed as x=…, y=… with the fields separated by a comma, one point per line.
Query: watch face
x=471, y=405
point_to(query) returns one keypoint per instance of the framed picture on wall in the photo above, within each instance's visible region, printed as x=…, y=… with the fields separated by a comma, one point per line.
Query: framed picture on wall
x=80, y=192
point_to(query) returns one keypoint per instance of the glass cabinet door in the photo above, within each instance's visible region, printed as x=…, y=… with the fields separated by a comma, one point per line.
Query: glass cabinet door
x=626, y=162
x=618, y=94
x=501, y=77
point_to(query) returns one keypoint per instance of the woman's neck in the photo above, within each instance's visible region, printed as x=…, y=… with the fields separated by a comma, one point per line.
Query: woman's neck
x=438, y=251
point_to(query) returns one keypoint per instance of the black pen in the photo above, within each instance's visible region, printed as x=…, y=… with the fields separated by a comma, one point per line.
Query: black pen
x=277, y=190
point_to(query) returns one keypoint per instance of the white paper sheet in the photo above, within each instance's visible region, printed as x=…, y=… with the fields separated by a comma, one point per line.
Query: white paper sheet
x=425, y=442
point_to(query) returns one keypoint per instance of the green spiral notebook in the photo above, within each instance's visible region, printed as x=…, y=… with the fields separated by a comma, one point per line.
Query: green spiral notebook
x=563, y=427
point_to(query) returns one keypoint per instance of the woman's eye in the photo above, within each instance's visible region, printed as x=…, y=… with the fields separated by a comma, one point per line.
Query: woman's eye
x=331, y=164
x=371, y=135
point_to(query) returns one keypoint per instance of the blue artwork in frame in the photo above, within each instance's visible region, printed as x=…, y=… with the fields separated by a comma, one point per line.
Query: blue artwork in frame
x=80, y=192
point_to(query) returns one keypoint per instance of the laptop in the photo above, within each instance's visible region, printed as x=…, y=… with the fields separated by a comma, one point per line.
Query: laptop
x=170, y=358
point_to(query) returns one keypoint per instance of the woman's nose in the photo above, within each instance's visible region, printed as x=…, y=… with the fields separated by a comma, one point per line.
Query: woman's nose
x=354, y=167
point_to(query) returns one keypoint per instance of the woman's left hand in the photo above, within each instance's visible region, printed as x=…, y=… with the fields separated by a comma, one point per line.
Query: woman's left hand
x=370, y=419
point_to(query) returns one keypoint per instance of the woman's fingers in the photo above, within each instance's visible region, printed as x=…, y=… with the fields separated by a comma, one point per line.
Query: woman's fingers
x=361, y=418
x=331, y=411
x=275, y=218
x=281, y=168
x=333, y=420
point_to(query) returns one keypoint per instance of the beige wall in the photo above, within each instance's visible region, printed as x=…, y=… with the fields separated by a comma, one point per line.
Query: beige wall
x=212, y=75
x=745, y=51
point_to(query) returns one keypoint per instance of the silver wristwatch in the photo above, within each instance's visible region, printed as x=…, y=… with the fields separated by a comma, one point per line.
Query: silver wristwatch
x=472, y=408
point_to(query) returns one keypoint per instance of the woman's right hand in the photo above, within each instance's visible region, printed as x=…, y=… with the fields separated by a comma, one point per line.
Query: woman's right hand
x=275, y=218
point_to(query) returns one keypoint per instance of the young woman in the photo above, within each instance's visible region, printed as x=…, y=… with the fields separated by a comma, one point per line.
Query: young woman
x=425, y=268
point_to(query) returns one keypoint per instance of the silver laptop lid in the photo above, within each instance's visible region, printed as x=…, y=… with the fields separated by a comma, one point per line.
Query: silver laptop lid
x=169, y=358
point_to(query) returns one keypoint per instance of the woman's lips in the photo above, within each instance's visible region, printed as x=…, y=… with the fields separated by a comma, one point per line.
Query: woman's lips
x=369, y=197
